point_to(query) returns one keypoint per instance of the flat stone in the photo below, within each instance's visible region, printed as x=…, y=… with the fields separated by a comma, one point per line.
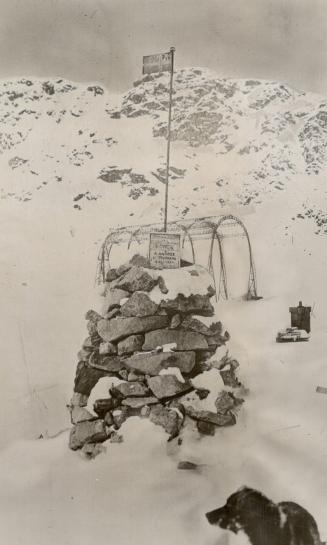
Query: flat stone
x=131, y=344
x=137, y=279
x=165, y=386
x=87, y=432
x=111, y=275
x=79, y=400
x=107, y=349
x=80, y=414
x=167, y=418
x=113, y=298
x=194, y=304
x=139, y=304
x=184, y=340
x=225, y=402
x=185, y=464
x=112, y=313
x=119, y=328
x=106, y=364
x=152, y=363
x=86, y=378
x=129, y=389
x=138, y=402
x=229, y=378
x=211, y=417
x=175, y=321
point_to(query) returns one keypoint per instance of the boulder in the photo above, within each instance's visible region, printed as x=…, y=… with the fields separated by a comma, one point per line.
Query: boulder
x=192, y=324
x=131, y=344
x=136, y=279
x=87, y=432
x=184, y=340
x=152, y=363
x=107, y=349
x=175, y=321
x=113, y=298
x=169, y=419
x=119, y=328
x=86, y=378
x=80, y=414
x=129, y=389
x=138, y=402
x=206, y=428
x=229, y=378
x=194, y=304
x=139, y=304
x=165, y=386
x=111, y=275
x=102, y=406
x=107, y=364
x=211, y=417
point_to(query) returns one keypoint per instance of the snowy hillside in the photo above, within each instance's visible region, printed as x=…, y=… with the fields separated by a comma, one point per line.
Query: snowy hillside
x=239, y=140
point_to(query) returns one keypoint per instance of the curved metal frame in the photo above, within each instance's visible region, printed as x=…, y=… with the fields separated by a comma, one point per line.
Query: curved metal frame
x=208, y=226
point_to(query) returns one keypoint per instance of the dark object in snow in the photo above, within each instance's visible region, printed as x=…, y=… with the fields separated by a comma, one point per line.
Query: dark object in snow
x=300, y=317
x=265, y=522
x=292, y=334
x=185, y=464
x=321, y=390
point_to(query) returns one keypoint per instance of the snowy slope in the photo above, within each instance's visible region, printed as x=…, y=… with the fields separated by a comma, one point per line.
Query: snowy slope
x=47, y=267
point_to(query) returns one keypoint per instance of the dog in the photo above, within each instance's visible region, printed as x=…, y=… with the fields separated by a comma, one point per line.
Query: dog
x=264, y=522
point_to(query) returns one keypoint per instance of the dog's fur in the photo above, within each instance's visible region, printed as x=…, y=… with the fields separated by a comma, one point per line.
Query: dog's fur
x=264, y=522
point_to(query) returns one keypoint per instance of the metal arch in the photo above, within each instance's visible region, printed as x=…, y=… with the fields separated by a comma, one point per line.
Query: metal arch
x=186, y=233
x=252, y=282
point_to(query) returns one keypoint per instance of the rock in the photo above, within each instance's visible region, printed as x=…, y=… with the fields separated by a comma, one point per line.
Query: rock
x=206, y=428
x=102, y=406
x=79, y=400
x=139, y=304
x=111, y=275
x=224, y=402
x=120, y=416
x=87, y=432
x=116, y=438
x=84, y=355
x=211, y=291
x=192, y=324
x=107, y=349
x=91, y=450
x=123, y=373
x=194, y=304
x=145, y=411
x=113, y=298
x=86, y=378
x=107, y=364
x=162, y=285
x=185, y=340
x=166, y=386
x=175, y=321
x=152, y=363
x=131, y=344
x=168, y=419
x=87, y=344
x=133, y=377
x=129, y=389
x=137, y=279
x=92, y=315
x=185, y=464
x=119, y=328
x=226, y=360
x=138, y=402
x=123, y=269
x=211, y=417
x=112, y=313
x=140, y=261
x=202, y=393
x=229, y=378
x=108, y=419
x=79, y=414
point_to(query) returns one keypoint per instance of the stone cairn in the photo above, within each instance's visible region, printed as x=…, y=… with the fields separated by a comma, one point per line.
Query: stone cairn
x=156, y=350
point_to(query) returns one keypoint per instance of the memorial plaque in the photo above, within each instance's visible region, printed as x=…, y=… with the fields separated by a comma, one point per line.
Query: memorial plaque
x=165, y=250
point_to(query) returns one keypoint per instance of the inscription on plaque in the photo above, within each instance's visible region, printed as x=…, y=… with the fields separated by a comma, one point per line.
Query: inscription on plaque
x=165, y=250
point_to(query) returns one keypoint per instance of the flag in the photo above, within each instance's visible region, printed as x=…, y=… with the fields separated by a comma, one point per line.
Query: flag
x=157, y=63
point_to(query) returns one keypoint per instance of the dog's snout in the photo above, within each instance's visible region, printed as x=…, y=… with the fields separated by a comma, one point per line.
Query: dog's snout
x=214, y=516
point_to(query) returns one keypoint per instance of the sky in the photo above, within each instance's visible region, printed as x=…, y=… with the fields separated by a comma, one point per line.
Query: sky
x=104, y=40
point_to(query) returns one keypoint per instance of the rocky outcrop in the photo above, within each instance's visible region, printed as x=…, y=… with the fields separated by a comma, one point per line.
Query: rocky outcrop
x=156, y=347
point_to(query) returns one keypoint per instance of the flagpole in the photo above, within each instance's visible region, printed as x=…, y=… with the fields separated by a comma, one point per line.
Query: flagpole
x=172, y=51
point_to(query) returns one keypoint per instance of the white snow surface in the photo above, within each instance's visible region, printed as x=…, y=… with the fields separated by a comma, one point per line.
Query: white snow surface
x=133, y=494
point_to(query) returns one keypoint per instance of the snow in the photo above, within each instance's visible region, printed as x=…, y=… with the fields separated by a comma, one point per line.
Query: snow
x=133, y=493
